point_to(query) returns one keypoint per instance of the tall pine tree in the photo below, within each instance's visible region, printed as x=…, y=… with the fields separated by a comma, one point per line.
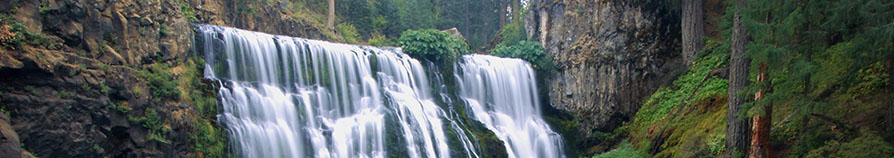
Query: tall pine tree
x=693, y=25
x=737, y=127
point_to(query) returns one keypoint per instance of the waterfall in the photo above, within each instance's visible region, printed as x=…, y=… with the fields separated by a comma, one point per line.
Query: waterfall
x=502, y=94
x=294, y=97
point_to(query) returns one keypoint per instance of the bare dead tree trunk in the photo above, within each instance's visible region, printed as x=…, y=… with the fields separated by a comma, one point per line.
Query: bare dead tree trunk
x=693, y=25
x=760, y=132
x=330, y=22
x=737, y=127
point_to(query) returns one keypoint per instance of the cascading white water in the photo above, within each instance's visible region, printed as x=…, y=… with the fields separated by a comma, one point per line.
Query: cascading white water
x=292, y=97
x=502, y=94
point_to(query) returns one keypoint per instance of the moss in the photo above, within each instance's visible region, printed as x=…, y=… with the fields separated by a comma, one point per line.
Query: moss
x=208, y=138
x=624, y=150
x=694, y=131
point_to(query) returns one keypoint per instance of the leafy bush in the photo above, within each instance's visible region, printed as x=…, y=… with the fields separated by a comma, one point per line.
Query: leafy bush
x=531, y=52
x=379, y=40
x=349, y=32
x=31, y=90
x=161, y=83
x=154, y=123
x=188, y=12
x=433, y=45
x=13, y=34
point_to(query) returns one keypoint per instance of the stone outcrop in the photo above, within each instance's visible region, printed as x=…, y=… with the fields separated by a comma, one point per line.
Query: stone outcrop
x=61, y=93
x=611, y=54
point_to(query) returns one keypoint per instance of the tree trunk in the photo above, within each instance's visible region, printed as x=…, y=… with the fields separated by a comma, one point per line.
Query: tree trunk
x=760, y=132
x=737, y=128
x=516, y=10
x=890, y=91
x=503, y=5
x=330, y=22
x=693, y=25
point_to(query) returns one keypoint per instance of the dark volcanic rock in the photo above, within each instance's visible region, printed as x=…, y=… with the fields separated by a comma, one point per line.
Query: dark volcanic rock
x=62, y=93
x=611, y=54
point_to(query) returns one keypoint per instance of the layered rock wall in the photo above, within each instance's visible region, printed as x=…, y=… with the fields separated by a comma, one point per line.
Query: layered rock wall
x=611, y=54
x=61, y=91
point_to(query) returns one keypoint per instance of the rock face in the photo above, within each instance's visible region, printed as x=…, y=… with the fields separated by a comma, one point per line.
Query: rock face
x=61, y=92
x=611, y=54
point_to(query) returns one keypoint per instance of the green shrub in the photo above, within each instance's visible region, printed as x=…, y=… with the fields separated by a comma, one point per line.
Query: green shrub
x=163, y=30
x=161, y=83
x=348, y=32
x=433, y=45
x=122, y=107
x=188, y=12
x=63, y=94
x=104, y=89
x=379, y=40
x=14, y=34
x=154, y=123
x=31, y=90
x=531, y=52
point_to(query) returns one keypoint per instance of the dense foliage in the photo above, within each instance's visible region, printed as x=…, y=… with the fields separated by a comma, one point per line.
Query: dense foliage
x=828, y=83
x=433, y=45
x=478, y=20
x=531, y=52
